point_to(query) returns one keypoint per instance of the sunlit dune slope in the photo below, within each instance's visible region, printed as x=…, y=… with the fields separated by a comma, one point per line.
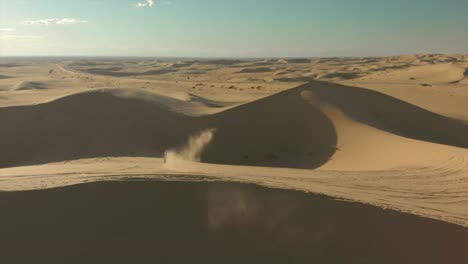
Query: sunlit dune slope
x=315, y=125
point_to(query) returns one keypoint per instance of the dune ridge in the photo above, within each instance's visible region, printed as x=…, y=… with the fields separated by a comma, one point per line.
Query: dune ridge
x=336, y=139
x=295, y=128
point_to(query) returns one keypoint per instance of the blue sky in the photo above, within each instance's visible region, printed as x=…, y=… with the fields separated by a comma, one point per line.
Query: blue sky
x=237, y=28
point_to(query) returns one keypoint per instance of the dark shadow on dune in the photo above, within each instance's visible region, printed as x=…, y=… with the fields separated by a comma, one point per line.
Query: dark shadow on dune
x=31, y=86
x=371, y=60
x=86, y=125
x=108, y=69
x=341, y=75
x=263, y=63
x=114, y=71
x=220, y=62
x=10, y=65
x=298, y=60
x=87, y=63
x=195, y=72
x=99, y=71
x=394, y=67
x=182, y=222
x=205, y=101
x=5, y=77
x=391, y=114
x=282, y=72
x=330, y=60
x=182, y=65
x=281, y=130
x=286, y=71
x=297, y=79
x=158, y=72
x=256, y=70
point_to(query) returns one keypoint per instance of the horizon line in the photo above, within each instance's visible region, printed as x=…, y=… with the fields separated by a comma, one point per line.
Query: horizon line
x=222, y=57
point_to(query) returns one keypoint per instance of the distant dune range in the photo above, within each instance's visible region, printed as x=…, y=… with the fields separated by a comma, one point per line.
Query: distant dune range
x=296, y=128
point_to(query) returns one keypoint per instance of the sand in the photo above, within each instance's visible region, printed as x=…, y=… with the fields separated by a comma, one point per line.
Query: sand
x=389, y=131
x=186, y=222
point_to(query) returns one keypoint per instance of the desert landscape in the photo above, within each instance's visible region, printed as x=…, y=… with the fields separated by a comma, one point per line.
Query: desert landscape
x=377, y=140
x=215, y=131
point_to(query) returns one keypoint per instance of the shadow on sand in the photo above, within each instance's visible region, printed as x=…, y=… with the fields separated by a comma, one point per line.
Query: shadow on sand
x=183, y=222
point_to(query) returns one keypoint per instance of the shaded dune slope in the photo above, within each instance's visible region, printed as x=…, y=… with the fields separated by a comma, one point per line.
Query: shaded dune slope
x=213, y=223
x=105, y=123
x=94, y=124
x=282, y=130
x=288, y=129
x=389, y=114
x=30, y=86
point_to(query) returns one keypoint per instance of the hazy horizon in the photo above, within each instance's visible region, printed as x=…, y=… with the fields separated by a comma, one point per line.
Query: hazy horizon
x=231, y=29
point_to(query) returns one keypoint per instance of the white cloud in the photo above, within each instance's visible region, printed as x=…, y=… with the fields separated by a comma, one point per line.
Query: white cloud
x=54, y=21
x=7, y=29
x=147, y=3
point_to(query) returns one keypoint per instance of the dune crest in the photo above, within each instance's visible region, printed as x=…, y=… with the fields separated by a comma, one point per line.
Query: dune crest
x=303, y=127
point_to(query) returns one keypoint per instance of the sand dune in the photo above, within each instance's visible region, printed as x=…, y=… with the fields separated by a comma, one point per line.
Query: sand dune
x=295, y=128
x=440, y=73
x=208, y=102
x=30, y=86
x=139, y=125
x=400, y=69
x=90, y=124
x=186, y=222
x=297, y=79
x=282, y=130
x=255, y=70
x=395, y=135
x=187, y=104
x=465, y=79
x=10, y=65
x=116, y=73
x=224, y=62
x=298, y=60
x=339, y=75
x=388, y=114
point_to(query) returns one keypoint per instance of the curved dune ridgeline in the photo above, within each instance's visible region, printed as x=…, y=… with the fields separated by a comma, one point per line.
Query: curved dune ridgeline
x=390, y=114
x=291, y=129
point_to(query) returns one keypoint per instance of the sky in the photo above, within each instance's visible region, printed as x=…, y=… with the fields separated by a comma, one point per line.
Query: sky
x=234, y=28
